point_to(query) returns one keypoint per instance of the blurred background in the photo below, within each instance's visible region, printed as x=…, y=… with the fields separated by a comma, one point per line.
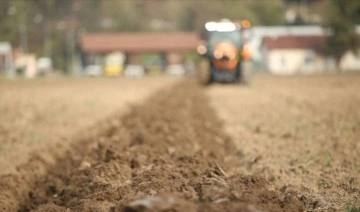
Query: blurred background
x=91, y=37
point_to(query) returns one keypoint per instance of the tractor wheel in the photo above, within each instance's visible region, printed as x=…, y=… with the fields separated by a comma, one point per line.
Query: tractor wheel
x=245, y=72
x=203, y=71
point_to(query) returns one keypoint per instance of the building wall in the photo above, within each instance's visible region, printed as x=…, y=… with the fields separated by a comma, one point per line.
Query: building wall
x=293, y=61
x=350, y=62
x=27, y=62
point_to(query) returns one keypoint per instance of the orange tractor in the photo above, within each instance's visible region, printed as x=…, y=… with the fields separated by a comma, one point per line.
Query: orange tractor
x=225, y=56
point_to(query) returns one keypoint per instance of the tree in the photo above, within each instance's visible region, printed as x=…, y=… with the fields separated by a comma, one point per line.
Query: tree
x=268, y=13
x=188, y=20
x=343, y=17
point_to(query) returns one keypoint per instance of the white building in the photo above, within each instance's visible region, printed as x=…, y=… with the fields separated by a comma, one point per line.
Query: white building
x=350, y=61
x=286, y=55
x=257, y=33
x=296, y=49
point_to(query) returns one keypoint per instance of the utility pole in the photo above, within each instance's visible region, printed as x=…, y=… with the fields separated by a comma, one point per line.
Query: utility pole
x=23, y=31
x=47, y=48
x=23, y=37
x=306, y=11
x=6, y=51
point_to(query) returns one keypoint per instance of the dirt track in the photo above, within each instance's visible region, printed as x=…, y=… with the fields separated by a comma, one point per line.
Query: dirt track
x=173, y=153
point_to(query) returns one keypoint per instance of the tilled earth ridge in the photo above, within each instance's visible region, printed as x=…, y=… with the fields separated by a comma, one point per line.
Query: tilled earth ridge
x=46, y=112
x=168, y=154
x=300, y=132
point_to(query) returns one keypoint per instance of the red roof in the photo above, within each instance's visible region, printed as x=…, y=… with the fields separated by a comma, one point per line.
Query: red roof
x=315, y=43
x=138, y=42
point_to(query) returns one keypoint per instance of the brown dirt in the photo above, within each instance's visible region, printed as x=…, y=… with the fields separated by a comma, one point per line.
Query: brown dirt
x=283, y=144
x=301, y=133
x=51, y=111
x=168, y=154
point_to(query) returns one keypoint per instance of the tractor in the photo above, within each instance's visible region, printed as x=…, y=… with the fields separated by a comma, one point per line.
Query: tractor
x=224, y=54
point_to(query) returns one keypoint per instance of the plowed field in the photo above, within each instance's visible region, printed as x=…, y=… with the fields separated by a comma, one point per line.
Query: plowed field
x=282, y=144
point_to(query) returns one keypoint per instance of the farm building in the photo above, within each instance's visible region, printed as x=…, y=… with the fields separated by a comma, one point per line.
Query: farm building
x=257, y=33
x=297, y=43
x=290, y=54
x=277, y=49
x=294, y=54
x=350, y=61
x=95, y=49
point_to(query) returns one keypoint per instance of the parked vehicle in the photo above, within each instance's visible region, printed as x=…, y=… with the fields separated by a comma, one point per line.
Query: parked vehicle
x=154, y=66
x=93, y=70
x=134, y=71
x=175, y=69
x=114, y=64
x=44, y=66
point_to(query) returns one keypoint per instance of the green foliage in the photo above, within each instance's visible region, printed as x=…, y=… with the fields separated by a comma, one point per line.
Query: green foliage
x=187, y=23
x=343, y=16
x=268, y=13
x=353, y=209
x=300, y=1
x=259, y=12
x=322, y=184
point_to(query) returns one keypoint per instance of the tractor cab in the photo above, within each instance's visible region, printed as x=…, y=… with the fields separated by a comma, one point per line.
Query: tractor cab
x=223, y=53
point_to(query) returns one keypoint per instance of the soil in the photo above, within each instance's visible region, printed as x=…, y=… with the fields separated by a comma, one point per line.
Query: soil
x=219, y=148
x=40, y=112
x=300, y=132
